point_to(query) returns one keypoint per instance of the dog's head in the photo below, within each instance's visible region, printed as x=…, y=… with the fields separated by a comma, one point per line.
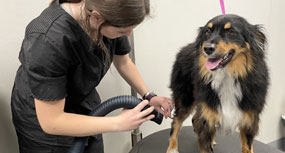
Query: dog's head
x=230, y=41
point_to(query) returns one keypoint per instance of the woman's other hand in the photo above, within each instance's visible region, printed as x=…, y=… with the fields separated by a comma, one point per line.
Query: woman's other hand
x=130, y=119
x=163, y=105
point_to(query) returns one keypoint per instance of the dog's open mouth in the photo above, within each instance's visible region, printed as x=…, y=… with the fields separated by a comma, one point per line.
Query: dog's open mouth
x=219, y=62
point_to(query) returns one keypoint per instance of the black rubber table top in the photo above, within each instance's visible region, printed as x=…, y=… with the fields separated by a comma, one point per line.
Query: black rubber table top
x=187, y=143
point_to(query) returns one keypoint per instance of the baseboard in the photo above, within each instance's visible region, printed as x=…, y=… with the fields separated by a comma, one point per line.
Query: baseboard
x=279, y=144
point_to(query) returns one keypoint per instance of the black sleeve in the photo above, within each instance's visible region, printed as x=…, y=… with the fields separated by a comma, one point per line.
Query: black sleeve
x=46, y=67
x=122, y=46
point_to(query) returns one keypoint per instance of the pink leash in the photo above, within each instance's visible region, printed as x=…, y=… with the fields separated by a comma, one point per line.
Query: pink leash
x=222, y=6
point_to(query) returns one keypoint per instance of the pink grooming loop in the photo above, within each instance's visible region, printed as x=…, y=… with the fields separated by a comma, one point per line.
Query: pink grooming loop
x=222, y=6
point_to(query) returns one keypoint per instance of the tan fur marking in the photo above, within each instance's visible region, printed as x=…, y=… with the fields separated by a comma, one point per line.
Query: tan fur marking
x=173, y=142
x=246, y=123
x=241, y=62
x=228, y=25
x=211, y=116
x=241, y=65
x=210, y=25
x=247, y=120
x=204, y=72
x=248, y=46
x=245, y=148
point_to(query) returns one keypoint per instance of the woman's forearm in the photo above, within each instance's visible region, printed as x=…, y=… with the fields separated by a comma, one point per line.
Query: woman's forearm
x=53, y=120
x=69, y=124
x=129, y=72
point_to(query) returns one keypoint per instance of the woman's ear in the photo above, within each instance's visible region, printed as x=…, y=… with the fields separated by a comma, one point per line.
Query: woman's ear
x=97, y=18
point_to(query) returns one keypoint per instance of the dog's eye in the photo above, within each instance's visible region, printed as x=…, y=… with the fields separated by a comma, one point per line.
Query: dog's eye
x=230, y=32
x=208, y=31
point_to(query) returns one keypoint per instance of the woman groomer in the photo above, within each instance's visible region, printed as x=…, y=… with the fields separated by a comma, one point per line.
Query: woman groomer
x=65, y=53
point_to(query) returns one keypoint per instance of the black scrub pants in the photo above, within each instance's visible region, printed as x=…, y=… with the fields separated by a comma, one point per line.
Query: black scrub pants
x=95, y=145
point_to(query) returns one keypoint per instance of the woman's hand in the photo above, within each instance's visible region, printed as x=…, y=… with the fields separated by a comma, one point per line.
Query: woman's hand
x=130, y=119
x=163, y=105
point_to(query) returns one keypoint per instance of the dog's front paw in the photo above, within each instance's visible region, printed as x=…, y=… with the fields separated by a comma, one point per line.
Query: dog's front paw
x=172, y=151
x=246, y=150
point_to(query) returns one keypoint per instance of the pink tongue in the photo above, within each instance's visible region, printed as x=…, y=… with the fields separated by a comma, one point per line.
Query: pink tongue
x=211, y=65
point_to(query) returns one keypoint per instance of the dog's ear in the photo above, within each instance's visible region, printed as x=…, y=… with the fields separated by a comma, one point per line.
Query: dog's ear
x=199, y=38
x=259, y=36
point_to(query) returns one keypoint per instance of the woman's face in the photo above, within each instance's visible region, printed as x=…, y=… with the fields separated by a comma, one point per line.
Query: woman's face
x=115, y=32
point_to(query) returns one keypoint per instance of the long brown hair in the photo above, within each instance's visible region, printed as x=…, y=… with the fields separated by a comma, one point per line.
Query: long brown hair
x=118, y=13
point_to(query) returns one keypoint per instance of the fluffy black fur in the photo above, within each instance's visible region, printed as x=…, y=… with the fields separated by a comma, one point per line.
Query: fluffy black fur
x=191, y=83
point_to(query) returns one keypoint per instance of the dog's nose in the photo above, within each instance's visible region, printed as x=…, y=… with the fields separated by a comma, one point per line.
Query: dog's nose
x=209, y=49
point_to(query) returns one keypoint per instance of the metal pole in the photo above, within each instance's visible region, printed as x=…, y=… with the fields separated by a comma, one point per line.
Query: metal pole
x=136, y=134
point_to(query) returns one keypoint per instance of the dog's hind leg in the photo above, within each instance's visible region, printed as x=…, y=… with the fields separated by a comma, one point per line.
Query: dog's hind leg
x=204, y=122
x=181, y=113
x=248, y=130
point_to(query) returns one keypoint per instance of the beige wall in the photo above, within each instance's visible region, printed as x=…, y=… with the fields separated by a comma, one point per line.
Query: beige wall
x=173, y=24
x=14, y=16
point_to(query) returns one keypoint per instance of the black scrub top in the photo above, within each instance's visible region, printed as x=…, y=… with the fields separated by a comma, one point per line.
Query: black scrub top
x=58, y=62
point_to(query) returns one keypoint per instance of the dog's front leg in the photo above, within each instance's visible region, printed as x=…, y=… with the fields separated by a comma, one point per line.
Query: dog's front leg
x=206, y=138
x=204, y=130
x=204, y=122
x=248, y=130
x=180, y=115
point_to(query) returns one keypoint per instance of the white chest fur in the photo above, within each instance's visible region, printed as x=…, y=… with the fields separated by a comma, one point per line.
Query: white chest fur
x=230, y=94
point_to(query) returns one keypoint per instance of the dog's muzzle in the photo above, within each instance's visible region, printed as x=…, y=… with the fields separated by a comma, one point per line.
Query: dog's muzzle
x=216, y=60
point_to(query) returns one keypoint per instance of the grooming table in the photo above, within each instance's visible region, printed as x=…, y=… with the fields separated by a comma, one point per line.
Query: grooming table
x=187, y=143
